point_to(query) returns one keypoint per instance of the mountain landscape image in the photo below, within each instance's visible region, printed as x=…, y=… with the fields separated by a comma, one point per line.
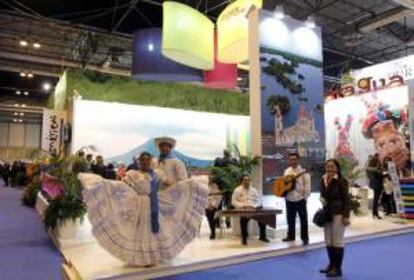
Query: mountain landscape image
x=150, y=147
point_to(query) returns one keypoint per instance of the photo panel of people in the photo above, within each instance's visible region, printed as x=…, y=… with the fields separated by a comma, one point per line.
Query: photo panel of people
x=358, y=127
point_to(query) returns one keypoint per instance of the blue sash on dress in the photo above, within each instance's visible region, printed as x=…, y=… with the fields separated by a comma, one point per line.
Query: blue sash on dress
x=155, y=184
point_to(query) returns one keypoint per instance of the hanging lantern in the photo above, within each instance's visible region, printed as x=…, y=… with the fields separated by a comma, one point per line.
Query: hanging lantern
x=187, y=36
x=149, y=64
x=223, y=76
x=233, y=31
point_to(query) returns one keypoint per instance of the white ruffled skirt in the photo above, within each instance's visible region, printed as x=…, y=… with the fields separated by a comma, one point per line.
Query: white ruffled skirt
x=121, y=219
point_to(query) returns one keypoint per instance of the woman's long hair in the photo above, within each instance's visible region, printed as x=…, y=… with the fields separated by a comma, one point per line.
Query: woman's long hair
x=338, y=166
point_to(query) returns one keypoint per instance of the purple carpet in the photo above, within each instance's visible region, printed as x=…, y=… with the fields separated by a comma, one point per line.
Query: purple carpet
x=25, y=250
x=379, y=259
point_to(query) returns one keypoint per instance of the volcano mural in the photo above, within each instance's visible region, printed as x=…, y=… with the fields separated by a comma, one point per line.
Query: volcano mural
x=121, y=131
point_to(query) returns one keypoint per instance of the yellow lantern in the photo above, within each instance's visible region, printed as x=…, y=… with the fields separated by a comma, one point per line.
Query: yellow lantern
x=187, y=36
x=233, y=31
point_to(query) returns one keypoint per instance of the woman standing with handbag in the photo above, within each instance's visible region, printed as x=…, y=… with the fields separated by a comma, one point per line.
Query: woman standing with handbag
x=335, y=198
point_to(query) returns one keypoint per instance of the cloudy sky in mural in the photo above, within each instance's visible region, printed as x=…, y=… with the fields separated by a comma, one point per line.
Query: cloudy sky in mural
x=116, y=128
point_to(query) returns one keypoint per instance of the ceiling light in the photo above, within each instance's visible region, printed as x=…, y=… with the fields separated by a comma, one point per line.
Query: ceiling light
x=16, y=105
x=23, y=74
x=47, y=86
x=150, y=47
x=279, y=13
x=22, y=114
x=23, y=105
x=16, y=114
x=26, y=93
x=36, y=45
x=15, y=120
x=30, y=75
x=20, y=120
x=23, y=43
x=18, y=92
x=310, y=22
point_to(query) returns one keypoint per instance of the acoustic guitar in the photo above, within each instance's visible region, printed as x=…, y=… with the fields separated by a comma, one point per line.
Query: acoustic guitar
x=283, y=185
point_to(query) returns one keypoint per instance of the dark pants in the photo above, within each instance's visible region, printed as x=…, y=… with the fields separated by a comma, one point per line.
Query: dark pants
x=293, y=208
x=375, y=203
x=211, y=221
x=389, y=203
x=244, y=222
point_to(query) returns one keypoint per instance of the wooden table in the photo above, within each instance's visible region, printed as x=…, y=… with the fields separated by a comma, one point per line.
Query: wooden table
x=265, y=215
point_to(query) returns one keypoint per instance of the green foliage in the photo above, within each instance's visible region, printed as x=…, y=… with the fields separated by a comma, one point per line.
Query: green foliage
x=348, y=168
x=295, y=59
x=280, y=101
x=102, y=87
x=30, y=192
x=69, y=205
x=229, y=177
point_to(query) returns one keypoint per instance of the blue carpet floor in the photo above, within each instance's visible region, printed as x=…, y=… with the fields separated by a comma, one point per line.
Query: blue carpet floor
x=388, y=258
x=25, y=250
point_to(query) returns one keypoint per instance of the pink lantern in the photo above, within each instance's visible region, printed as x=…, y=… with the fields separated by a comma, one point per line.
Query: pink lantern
x=223, y=76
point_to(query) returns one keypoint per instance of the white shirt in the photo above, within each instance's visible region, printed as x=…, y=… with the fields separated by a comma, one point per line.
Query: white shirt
x=303, y=184
x=243, y=197
x=214, y=196
x=174, y=169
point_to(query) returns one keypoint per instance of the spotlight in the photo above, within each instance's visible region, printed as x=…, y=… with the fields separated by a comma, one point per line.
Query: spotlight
x=310, y=22
x=36, y=45
x=30, y=75
x=26, y=93
x=23, y=43
x=47, y=86
x=150, y=47
x=18, y=92
x=23, y=74
x=279, y=13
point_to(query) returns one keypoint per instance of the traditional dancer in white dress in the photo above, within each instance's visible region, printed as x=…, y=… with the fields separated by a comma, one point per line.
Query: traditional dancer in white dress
x=138, y=224
x=173, y=167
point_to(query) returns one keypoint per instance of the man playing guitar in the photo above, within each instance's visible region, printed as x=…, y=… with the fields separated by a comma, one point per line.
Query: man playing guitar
x=296, y=200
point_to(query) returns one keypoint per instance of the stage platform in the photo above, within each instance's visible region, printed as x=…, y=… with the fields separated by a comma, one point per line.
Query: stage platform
x=87, y=260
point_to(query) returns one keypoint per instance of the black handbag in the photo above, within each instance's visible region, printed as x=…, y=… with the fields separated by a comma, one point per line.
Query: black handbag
x=321, y=217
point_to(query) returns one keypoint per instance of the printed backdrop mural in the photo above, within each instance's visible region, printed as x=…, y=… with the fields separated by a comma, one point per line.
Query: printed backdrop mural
x=121, y=131
x=291, y=96
x=361, y=125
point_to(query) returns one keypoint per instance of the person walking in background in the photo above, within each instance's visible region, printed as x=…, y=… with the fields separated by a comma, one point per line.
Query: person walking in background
x=89, y=161
x=120, y=171
x=99, y=167
x=110, y=173
x=335, y=199
x=13, y=173
x=296, y=200
x=5, y=173
x=374, y=174
x=134, y=165
x=388, y=200
x=215, y=197
x=80, y=164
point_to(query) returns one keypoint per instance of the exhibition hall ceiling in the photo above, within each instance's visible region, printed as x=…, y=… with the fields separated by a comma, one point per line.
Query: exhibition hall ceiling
x=97, y=35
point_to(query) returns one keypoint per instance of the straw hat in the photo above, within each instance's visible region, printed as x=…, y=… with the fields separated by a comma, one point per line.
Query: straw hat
x=166, y=139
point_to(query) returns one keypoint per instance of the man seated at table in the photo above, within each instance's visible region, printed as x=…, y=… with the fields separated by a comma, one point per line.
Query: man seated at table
x=245, y=197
